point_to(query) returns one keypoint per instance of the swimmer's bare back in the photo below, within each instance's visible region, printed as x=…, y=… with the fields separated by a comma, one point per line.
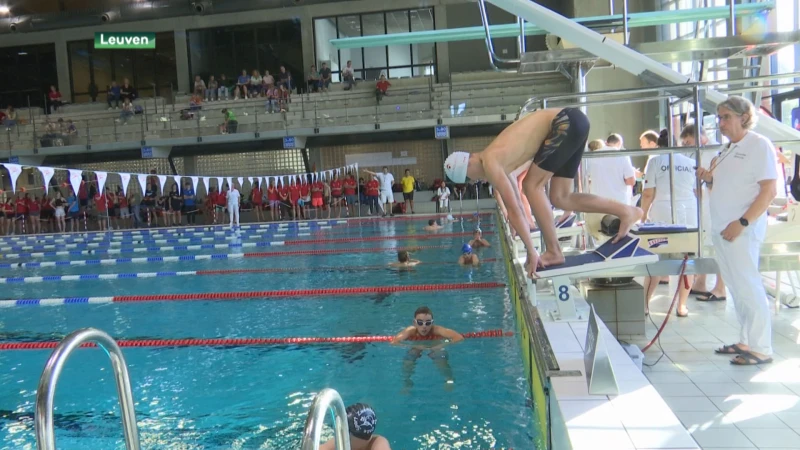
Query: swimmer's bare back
x=519, y=142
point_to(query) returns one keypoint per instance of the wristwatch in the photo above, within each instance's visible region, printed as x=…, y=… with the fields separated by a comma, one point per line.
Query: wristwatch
x=744, y=222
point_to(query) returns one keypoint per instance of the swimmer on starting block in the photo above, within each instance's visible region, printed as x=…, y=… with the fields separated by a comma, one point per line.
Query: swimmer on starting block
x=423, y=326
x=403, y=260
x=554, y=139
x=433, y=225
x=478, y=240
x=361, y=422
x=468, y=258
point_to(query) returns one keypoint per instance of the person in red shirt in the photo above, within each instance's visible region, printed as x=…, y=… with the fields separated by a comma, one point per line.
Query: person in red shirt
x=305, y=196
x=101, y=205
x=372, y=196
x=210, y=203
x=220, y=199
x=55, y=99
x=83, y=194
x=284, y=197
x=256, y=198
x=317, y=191
x=336, y=195
x=34, y=210
x=274, y=200
x=21, y=210
x=381, y=87
x=294, y=197
x=350, y=186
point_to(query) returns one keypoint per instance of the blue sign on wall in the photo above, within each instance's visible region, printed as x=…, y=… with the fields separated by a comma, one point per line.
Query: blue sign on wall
x=147, y=152
x=13, y=159
x=442, y=132
x=288, y=142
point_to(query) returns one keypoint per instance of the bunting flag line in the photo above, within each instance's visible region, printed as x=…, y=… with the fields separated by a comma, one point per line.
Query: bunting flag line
x=101, y=180
x=142, y=181
x=194, y=183
x=125, y=179
x=162, y=179
x=75, y=179
x=14, y=170
x=47, y=174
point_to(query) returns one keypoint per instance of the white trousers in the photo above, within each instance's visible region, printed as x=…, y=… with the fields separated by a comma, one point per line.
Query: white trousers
x=233, y=210
x=444, y=204
x=738, y=264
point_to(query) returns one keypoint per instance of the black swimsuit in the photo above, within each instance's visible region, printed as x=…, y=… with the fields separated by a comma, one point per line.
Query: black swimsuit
x=563, y=148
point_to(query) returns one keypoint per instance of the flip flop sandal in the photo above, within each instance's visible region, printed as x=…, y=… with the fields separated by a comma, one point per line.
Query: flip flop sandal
x=749, y=359
x=711, y=298
x=701, y=293
x=732, y=349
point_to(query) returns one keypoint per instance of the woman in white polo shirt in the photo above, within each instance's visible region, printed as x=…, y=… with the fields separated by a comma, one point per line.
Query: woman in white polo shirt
x=743, y=180
x=657, y=202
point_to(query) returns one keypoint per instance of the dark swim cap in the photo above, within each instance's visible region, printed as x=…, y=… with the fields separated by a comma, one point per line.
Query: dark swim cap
x=361, y=420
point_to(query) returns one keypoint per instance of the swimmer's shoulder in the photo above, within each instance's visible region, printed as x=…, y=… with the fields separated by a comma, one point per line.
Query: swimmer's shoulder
x=379, y=443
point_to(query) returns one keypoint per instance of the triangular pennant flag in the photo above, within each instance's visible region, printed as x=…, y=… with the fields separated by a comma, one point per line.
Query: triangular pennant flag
x=230, y=183
x=206, y=183
x=241, y=182
x=101, y=180
x=177, y=179
x=250, y=180
x=14, y=170
x=194, y=183
x=125, y=178
x=219, y=184
x=142, y=182
x=163, y=180
x=47, y=174
x=75, y=179
x=330, y=175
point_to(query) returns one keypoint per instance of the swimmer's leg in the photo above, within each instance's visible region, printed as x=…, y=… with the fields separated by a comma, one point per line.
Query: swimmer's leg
x=409, y=364
x=562, y=197
x=442, y=363
x=533, y=186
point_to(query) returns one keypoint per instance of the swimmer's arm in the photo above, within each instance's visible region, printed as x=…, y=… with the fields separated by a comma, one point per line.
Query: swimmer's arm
x=448, y=334
x=485, y=242
x=475, y=260
x=369, y=172
x=648, y=195
x=497, y=176
x=402, y=336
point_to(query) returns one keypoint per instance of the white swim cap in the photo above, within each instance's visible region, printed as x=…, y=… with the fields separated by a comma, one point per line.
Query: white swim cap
x=455, y=166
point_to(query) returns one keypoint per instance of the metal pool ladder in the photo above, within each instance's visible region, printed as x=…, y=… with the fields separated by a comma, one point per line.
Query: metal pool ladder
x=45, y=434
x=327, y=400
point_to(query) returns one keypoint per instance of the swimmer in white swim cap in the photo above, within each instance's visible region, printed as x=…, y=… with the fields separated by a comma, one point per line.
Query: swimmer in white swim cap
x=554, y=139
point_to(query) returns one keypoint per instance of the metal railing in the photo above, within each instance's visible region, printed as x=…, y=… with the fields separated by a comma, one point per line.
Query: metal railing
x=327, y=400
x=45, y=394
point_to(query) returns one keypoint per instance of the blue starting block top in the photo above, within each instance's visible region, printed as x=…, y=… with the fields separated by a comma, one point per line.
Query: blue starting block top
x=565, y=224
x=662, y=228
x=624, y=253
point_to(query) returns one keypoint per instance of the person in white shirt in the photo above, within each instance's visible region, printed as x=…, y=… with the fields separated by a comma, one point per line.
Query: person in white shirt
x=657, y=203
x=443, y=194
x=234, y=197
x=743, y=184
x=387, y=196
x=699, y=289
x=610, y=177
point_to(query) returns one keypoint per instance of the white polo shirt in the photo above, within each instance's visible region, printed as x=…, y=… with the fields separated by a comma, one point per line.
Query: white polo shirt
x=656, y=175
x=608, y=176
x=233, y=197
x=737, y=173
x=387, y=181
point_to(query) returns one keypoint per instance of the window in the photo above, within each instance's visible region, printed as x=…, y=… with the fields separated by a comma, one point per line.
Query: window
x=26, y=74
x=394, y=61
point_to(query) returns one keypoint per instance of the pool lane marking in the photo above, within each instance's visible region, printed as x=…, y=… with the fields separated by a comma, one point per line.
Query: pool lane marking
x=266, y=295
x=173, y=248
x=119, y=276
x=219, y=256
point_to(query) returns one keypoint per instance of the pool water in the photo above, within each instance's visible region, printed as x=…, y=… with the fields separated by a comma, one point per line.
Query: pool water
x=258, y=397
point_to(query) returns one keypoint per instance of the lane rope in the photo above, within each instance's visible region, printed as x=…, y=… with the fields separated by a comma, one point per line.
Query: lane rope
x=240, y=342
x=291, y=293
x=216, y=256
x=177, y=248
x=118, y=276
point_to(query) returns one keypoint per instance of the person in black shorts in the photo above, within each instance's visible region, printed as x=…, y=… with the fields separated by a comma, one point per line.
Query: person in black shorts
x=554, y=141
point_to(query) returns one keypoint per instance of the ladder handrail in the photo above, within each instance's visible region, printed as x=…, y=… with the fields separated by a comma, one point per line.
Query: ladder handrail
x=45, y=394
x=326, y=400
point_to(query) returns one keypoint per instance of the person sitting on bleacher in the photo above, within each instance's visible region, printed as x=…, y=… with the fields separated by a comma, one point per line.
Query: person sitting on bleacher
x=324, y=77
x=267, y=81
x=54, y=99
x=10, y=117
x=199, y=86
x=224, y=87
x=313, y=79
x=284, y=96
x=255, y=84
x=285, y=78
x=127, y=111
x=242, y=83
x=273, y=95
x=347, y=76
x=128, y=91
x=211, y=89
x=113, y=93
x=381, y=87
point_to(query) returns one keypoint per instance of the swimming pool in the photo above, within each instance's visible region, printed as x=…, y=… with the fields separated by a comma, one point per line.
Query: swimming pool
x=257, y=397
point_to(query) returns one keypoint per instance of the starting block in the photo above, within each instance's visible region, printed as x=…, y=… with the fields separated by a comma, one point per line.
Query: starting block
x=566, y=232
x=666, y=238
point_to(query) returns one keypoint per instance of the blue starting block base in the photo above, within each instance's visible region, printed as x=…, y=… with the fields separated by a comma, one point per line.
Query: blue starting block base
x=662, y=228
x=624, y=253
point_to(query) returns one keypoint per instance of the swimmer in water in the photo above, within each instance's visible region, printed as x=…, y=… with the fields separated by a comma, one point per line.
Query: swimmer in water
x=468, y=258
x=361, y=422
x=403, y=260
x=433, y=225
x=477, y=239
x=423, y=327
